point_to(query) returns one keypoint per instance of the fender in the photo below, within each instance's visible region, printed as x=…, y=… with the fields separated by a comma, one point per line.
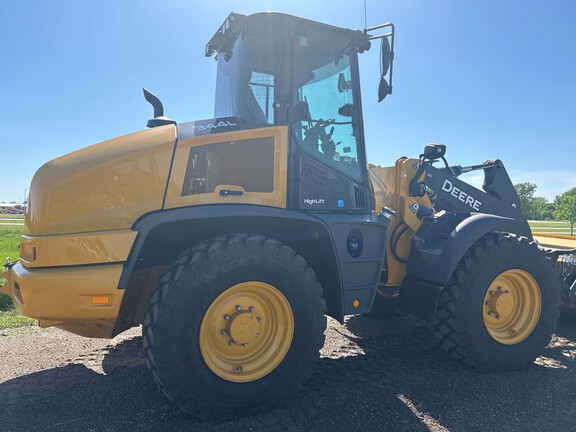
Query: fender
x=163, y=235
x=436, y=250
x=441, y=242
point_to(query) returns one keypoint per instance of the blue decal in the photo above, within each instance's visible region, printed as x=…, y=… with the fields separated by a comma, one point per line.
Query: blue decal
x=340, y=203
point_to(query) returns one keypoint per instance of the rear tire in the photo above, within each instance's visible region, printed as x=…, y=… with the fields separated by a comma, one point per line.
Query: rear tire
x=234, y=326
x=500, y=308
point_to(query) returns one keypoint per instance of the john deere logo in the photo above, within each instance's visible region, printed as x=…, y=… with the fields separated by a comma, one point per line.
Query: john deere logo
x=460, y=195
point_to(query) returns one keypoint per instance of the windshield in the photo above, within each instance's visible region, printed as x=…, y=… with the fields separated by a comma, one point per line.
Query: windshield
x=325, y=123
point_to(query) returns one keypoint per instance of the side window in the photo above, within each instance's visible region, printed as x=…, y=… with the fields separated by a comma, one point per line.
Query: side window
x=262, y=85
x=245, y=163
x=327, y=125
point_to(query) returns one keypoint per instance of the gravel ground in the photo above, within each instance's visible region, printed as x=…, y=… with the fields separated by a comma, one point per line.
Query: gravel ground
x=373, y=375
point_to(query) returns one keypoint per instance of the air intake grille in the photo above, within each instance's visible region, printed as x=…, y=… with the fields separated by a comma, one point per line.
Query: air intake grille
x=359, y=198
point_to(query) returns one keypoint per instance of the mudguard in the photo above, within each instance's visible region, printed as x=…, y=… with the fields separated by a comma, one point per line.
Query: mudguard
x=437, y=248
x=434, y=255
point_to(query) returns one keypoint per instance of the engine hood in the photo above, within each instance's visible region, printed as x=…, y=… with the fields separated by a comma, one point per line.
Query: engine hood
x=106, y=186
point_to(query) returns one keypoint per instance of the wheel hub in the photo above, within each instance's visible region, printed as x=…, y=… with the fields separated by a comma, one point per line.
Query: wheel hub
x=512, y=306
x=246, y=331
x=500, y=303
x=243, y=326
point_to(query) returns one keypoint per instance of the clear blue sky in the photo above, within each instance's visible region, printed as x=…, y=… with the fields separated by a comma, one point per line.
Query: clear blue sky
x=490, y=79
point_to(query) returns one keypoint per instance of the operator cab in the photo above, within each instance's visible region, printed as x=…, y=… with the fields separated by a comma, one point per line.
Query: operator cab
x=281, y=70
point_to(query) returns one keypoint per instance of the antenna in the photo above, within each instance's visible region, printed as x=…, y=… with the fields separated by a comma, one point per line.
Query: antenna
x=365, y=16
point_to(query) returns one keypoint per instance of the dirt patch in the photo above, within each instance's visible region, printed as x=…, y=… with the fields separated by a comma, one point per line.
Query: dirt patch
x=373, y=375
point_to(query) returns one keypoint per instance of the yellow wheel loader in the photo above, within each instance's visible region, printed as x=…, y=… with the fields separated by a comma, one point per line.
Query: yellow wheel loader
x=230, y=239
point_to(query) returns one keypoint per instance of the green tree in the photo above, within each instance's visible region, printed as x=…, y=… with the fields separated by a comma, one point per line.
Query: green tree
x=543, y=209
x=526, y=193
x=564, y=195
x=566, y=208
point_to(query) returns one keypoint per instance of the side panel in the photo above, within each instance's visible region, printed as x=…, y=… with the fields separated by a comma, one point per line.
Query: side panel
x=244, y=166
x=360, y=244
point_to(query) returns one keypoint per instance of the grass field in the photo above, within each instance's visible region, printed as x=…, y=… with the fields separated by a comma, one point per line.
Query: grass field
x=8, y=222
x=9, y=241
x=550, y=227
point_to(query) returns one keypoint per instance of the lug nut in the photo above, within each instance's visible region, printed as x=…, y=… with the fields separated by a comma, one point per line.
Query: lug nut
x=223, y=332
x=244, y=344
x=497, y=316
x=226, y=317
x=251, y=309
x=238, y=308
x=487, y=303
x=231, y=342
x=259, y=319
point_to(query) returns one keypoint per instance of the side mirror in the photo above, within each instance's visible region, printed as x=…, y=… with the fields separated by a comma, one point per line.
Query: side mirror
x=383, y=89
x=386, y=57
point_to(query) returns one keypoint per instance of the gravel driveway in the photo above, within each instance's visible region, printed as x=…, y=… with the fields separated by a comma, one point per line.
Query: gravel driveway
x=373, y=375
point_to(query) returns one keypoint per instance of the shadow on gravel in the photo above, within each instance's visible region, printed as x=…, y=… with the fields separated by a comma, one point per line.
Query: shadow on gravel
x=381, y=375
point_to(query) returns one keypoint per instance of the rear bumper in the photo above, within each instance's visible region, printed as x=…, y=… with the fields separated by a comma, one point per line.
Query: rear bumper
x=84, y=300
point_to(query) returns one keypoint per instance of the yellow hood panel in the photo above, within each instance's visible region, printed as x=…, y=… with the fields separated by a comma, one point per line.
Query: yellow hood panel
x=102, y=187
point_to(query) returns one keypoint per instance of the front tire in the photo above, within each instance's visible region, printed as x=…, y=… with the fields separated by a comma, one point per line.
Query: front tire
x=234, y=326
x=500, y=308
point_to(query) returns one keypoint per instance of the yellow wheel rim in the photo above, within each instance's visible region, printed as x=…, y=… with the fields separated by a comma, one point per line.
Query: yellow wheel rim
x=512, y=306
x=246, y=332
